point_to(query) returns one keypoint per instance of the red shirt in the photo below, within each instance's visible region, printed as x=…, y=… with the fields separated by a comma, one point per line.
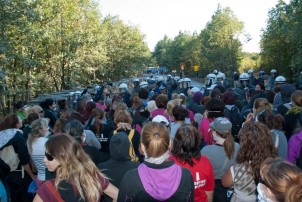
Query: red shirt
x=203, y=176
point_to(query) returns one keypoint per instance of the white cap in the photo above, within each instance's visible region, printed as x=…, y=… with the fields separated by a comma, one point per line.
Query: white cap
x=195, y=89
x=161, y=119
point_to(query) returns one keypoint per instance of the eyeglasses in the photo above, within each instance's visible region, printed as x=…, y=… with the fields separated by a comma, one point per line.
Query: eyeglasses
x=49, y=156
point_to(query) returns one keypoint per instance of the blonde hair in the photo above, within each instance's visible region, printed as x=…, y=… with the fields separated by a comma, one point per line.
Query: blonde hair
x=34, y=109
x=261, y=104
x=228, y=144
x=37, y=125
x=171, y=104
x=122, y=116
x=277, y=174
x=75, y=166
x=155, y=138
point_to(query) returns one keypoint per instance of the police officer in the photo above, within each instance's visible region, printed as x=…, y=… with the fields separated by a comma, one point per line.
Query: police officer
x=253, y=80
x=244, y=79
x=125, y=95
x=271, y=81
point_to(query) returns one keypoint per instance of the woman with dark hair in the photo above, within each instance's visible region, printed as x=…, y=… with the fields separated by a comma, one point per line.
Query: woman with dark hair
x=161, y=103
x=179, y=115
x=48, y=105
x=77, y=178
x=214, y=109
x=274, y=123
x=158, y=178
x=256, y=145
x=88, y=110
x=102, y=130
x=222, y=154
x=186, y=152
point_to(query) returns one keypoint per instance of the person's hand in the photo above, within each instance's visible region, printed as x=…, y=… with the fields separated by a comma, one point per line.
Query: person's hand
x=249, y=117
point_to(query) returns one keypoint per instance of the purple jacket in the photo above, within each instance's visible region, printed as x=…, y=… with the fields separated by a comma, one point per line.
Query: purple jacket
x=294, y=146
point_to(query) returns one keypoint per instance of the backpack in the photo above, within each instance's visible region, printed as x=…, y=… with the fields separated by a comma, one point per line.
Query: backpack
x=132, y=154
x=10, y=157
x=235, y=118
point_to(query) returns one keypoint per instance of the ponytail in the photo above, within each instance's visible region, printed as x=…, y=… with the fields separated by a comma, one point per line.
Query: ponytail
x=229, y=145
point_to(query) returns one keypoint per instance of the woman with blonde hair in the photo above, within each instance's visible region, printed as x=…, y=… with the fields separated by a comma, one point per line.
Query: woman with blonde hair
x=158, y=178
x=36, y=146
x=222, y=154
x=77, y=178
x=275, y=177
x=260, y=105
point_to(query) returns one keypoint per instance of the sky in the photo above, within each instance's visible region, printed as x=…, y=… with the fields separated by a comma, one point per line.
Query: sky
x=157, y=18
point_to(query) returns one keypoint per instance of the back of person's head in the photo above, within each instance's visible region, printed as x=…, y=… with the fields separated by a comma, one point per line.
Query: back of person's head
x=174, y=96
x=20, y=104
x=277, y=174
x=294, y=190
x=183, y=99
x=98, y=113
x=48, y=102
x=62, y=104
x=215, y=93
x=143, y=93
x=273, y=121
x=121, y=106
x=69, y=154
x=222, y=128
x=229, y=98
x=31, y=117
x=186, y=144
x=74, y=128
x=35, y=133
x=261, y=104
x=35, y=109
x=10, y=121
x=161, y=101
x=77, y=116
x=65, y=116
x=220, y=88
x=122, y=116
x=171, y=104
x=155, y=138
x=90, y=105
x=270, y=95
x=297, y=98
x=179, y=113
x=215, y=108
x=256, y=145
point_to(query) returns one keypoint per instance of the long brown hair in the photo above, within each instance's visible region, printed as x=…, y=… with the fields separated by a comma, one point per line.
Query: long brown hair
x=256, y=145
x=98, y=114
x=75, y=166
x=294, y=190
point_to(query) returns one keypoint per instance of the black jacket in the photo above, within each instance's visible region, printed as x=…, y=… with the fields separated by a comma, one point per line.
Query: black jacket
x=119, y=162
x=132, y=189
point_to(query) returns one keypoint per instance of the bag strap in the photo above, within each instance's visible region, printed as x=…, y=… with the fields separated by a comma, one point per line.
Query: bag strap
x=277, y=139
x=54, y=191
x=131, y=134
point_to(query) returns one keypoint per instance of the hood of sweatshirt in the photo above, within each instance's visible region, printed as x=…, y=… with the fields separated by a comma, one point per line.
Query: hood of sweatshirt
x=119, y=147
x=161, y=181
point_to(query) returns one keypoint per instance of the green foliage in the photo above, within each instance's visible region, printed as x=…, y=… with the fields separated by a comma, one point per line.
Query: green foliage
x=48, y=46
x=281, y=43
x=216, y=47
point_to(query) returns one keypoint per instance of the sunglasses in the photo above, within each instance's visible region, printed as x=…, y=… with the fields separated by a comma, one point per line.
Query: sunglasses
x=49, y=156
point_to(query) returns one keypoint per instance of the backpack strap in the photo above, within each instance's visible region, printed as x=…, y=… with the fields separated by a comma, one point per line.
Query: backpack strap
x=54, y=191
x=131, y=148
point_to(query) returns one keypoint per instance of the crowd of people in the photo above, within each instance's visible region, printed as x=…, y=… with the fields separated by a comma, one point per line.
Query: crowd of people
x=158, y=140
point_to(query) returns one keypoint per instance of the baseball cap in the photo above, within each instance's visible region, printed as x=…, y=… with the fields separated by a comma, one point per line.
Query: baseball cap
x=161, y=119
x=221, y=125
